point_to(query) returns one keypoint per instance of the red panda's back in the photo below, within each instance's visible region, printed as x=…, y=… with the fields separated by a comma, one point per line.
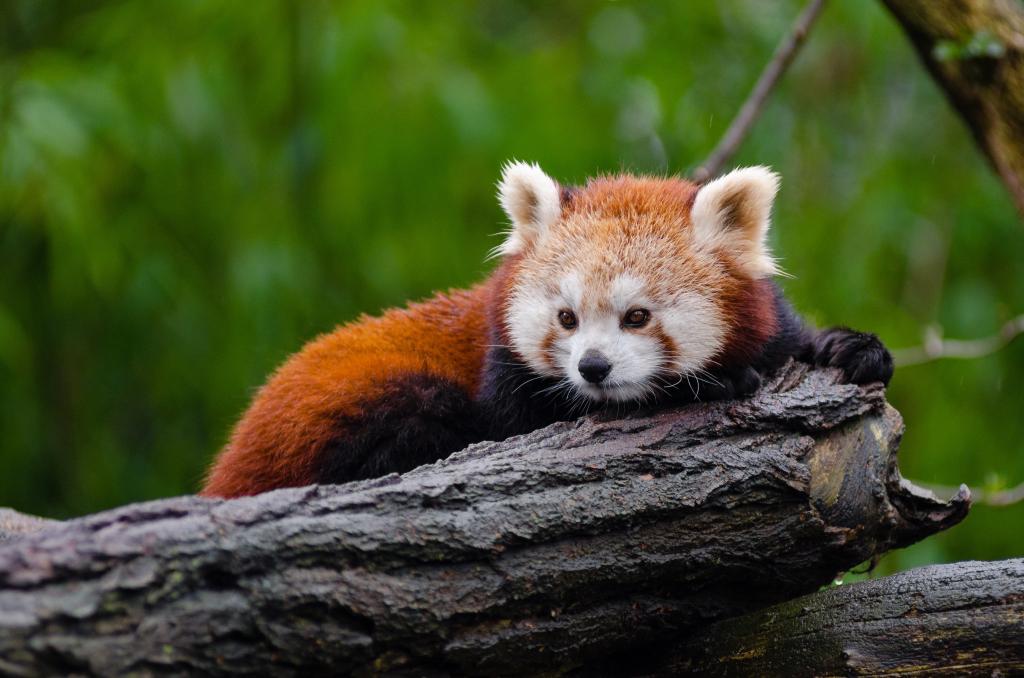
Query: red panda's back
x=309, y=400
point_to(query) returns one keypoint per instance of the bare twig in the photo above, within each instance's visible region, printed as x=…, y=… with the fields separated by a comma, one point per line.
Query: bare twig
x=937, y=348
x=752, y=107
x=1007, y=497
x=1013, y=495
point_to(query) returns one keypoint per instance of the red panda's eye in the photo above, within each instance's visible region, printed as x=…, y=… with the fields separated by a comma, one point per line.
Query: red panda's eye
x=567, y=318
x=638, y=317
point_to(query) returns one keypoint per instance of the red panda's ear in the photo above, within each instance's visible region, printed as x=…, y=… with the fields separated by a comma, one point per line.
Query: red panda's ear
x=733, y=212
x=532, y=200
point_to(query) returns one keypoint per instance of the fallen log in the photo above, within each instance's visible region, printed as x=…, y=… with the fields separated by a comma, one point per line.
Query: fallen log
x=963, y=619
x=577, y=544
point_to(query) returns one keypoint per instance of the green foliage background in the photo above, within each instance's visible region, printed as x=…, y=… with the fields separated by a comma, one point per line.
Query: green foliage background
x=190, y=190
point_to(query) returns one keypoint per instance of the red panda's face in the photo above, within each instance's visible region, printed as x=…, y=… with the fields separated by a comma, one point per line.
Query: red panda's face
x=627, y=286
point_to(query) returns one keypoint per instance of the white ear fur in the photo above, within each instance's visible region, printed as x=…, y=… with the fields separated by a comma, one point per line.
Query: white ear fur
x=531, y=200
x=733, y=213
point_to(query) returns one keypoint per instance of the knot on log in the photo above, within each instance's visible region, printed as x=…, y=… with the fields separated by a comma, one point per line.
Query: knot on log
x=568, y=545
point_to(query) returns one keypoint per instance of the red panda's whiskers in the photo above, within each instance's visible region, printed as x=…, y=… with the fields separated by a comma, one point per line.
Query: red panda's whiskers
x=654, y=387
x=528, y=381
x=678, y=381
x=504, y=364
x=579, y=400
x=708, y=378
x=694, y=391
x=560, y=384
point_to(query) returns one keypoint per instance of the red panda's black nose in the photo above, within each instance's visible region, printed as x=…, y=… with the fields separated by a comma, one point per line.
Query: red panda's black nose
x=594, y=367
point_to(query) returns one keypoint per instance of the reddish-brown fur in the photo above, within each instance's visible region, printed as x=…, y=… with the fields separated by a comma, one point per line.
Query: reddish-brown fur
x=752, y=320
x=297, y=413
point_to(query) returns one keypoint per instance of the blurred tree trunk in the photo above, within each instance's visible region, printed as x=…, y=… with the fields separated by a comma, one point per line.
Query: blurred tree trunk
x=975, y=50
x=580, y=545
x=963, y=619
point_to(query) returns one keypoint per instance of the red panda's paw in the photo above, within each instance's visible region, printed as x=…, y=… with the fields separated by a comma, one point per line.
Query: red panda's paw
x=860, y=355
x=738, y=382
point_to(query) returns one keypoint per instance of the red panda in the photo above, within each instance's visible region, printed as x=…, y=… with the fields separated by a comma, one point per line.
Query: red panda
x=628, y=290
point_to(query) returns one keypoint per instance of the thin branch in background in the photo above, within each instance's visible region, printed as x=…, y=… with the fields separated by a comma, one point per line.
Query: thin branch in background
x=1013, y=495
x=752, y=107
x=927, y=259
x=937, y=348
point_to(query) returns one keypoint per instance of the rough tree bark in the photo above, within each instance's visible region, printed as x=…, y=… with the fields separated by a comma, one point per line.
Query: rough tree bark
x=964, y=619
x=975, y=51
x=564, y=547
x=14, y=524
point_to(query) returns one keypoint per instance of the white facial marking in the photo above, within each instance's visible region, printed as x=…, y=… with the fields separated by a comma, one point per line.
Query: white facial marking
x=697, y=328
x=530, y=316
x=628, y=291
x=571, y=288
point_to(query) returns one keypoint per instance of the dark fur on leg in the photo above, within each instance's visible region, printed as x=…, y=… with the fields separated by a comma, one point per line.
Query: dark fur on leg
x=513, y=399
x=418, y=420
x=739, y=382
x=861, y=356
x=791, y=339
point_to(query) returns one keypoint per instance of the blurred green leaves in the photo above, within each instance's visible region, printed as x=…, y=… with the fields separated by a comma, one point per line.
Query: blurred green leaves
x=980, y=44
x=191, y=190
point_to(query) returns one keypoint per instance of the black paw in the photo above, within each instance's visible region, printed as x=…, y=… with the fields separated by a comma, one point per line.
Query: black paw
x=861, y=356
x=743, y=381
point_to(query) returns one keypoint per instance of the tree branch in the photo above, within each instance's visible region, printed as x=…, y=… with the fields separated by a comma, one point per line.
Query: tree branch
x=937, y=348
x=997, y=498
x=754, y=105
x=964, y=619
x=569, y=547
x=974, y=49
x=14, y=524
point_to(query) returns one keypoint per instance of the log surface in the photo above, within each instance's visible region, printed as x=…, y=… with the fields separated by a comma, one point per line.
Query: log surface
x=575, y=546
x=963, y=619
x=14, y=524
